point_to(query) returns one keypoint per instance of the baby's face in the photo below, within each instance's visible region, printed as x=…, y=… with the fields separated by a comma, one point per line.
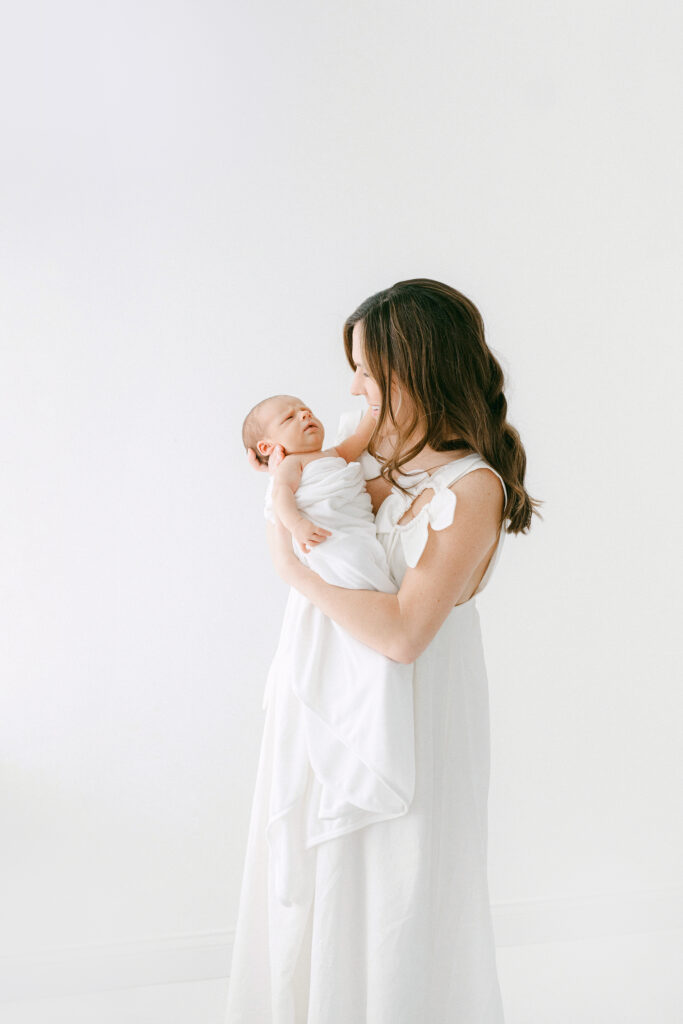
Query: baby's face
x=287, y=421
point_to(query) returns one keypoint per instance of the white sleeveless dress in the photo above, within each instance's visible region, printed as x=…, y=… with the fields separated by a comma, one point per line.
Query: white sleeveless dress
x=397, y=927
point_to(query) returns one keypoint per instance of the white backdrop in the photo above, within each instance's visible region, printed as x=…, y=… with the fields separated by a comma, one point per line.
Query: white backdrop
x=194, y=197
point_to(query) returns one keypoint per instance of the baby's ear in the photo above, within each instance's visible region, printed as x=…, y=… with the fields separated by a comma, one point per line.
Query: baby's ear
x=264, y=448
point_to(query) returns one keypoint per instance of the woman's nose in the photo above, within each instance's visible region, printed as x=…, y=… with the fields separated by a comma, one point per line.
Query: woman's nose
x=356, y=387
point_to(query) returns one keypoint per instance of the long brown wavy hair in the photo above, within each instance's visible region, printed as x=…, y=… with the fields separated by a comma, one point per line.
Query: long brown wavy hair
x=429, y=338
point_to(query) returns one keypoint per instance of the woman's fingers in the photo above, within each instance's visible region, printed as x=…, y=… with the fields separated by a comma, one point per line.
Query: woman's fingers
x=276, y=457
x=254, y=462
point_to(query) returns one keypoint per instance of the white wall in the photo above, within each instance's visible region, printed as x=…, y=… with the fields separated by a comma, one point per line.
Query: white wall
x=194, y=198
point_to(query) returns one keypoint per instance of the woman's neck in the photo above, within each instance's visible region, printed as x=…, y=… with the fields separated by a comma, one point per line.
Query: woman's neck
x=427, y=460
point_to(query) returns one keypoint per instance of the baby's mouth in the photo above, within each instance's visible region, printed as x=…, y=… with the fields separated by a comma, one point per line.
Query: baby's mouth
x=311, y=426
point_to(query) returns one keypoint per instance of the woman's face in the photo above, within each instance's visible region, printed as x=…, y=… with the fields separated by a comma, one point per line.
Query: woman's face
x=364, y=384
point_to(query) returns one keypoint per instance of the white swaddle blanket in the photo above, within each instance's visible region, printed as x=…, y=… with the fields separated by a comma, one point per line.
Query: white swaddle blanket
x=344, y=756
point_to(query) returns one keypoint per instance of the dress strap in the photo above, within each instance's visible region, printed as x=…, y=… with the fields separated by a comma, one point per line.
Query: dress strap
x=438, y=512
x=450, y=472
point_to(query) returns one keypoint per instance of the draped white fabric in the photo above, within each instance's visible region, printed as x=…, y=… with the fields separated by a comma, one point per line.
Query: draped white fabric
x=347, y=756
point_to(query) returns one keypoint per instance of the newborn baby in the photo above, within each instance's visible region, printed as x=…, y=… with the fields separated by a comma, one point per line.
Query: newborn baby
x=286, y=422
x=346, y=710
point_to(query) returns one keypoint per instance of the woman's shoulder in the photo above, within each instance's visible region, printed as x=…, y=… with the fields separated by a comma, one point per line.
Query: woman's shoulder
x=473, y=477
x=479, y=479
x=481, y=492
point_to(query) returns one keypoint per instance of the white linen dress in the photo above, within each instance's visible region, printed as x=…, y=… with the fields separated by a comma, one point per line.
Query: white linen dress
x=392, y=922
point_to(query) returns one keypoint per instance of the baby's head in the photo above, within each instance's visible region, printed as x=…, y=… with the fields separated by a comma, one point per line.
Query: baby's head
x=282, y=420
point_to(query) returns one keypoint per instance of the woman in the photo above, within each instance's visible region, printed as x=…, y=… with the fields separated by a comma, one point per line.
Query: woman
x=397, y=929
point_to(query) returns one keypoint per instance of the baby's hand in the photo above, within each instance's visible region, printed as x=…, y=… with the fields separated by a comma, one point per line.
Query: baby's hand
x=305, y=532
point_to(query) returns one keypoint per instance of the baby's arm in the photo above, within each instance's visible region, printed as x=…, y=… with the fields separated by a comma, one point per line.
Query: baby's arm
x=285, y=482
x=355, y=445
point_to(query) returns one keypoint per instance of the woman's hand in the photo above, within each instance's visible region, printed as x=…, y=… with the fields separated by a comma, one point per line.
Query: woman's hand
x=274, y=461
x=282, y=553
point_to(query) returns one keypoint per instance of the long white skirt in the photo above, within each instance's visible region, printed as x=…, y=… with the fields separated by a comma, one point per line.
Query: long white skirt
x=393, y=925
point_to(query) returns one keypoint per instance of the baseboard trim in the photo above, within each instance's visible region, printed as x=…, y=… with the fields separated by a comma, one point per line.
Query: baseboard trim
x=158, y=960
x=571, y=918
x=161, y=960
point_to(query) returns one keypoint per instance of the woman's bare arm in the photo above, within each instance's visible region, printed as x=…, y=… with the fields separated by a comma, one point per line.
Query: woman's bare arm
x=400, y=626
x=353, y=446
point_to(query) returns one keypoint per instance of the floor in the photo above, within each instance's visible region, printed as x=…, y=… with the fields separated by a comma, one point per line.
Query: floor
x=629, y=979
